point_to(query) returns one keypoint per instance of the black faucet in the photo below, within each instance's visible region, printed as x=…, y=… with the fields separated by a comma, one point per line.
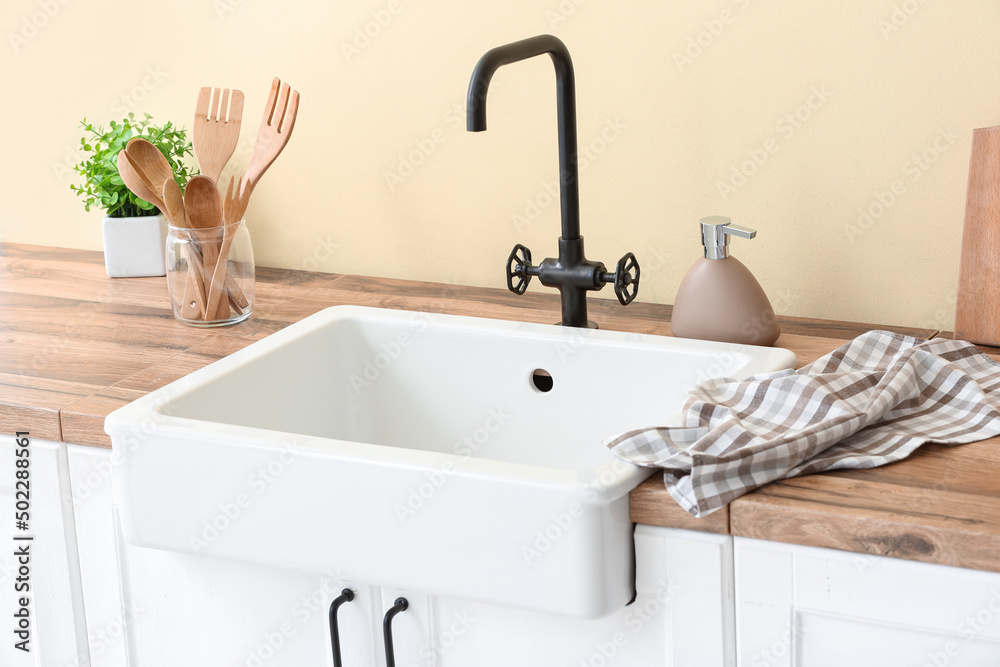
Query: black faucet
x=572, y=273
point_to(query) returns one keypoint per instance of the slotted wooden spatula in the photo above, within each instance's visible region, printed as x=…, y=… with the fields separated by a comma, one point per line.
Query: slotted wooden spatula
x=217, y=119
x=977, y=311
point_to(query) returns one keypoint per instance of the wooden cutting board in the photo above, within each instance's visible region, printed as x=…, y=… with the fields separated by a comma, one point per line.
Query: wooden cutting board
x=977, y=311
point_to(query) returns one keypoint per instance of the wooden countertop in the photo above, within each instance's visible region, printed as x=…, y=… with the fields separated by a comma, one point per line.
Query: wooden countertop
x=76, y=345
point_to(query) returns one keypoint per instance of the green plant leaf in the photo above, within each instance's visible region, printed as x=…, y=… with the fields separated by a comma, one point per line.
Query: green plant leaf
x=102, y=186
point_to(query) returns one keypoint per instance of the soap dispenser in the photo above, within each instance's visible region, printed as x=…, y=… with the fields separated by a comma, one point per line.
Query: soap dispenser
x=719, y=299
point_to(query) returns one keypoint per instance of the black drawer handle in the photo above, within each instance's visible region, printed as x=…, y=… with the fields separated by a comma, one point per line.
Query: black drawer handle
x=401, y=604
x=346, y=595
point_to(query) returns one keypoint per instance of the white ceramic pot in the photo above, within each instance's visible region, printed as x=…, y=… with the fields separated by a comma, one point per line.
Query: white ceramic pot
x=133, y=247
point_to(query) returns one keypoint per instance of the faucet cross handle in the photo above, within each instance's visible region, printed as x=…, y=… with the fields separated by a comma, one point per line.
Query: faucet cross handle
x=625, y=278
x=519, y=267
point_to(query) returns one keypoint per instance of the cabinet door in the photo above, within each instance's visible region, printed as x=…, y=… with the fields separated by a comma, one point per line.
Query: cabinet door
x=58, y=633
x=151, y=607
x=108, y=616
x=204, y=612
x=812, y=607
x=682, y=616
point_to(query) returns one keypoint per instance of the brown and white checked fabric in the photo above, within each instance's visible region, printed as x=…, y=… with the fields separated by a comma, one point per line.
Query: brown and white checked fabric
x=870, y=402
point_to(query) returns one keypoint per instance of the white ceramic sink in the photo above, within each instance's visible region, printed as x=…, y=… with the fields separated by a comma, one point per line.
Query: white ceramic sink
x=415, y=451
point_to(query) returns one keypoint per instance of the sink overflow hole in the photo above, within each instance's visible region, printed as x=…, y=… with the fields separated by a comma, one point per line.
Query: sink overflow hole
x=541, y=379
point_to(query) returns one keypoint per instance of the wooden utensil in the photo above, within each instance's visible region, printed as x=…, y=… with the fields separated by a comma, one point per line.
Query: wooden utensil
x=276, y=127
x=977, y=311
x=216, y=132
x=196, y=287
x=231, y=204
x=203, y=203
x=137, y=181
x=150, y=163
x=168, y=200
x=173, y=202
x=234, y=293
x=204, y=214
x=133, y=164
x=194, y=300
x=234, y=201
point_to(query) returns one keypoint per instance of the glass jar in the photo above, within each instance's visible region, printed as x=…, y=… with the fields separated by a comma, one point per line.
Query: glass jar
x=210, y=274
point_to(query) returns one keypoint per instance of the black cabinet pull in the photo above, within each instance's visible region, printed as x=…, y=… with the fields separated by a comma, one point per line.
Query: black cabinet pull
x=401, y=604
x=346, y=595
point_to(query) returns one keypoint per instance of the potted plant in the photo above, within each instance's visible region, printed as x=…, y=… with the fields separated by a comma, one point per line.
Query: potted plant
x=134, y=230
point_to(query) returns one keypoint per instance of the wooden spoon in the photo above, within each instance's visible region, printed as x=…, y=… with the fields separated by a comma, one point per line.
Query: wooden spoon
x=203, y=205
x=149, y=161
x=193, y=305
x=173, y=202
x=137, y=181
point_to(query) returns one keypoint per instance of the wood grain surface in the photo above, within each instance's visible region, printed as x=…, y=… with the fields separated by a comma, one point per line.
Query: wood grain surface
x=941, y=505
x=977, y=308
x=75, y=345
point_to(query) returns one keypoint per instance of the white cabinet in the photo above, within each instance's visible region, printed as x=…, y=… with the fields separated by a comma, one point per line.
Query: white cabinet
x=205, y=612
x=51, y=570
x=787, y=605
x=148, y=607
x=812, y=607
x=682, y=617
x=108, y=614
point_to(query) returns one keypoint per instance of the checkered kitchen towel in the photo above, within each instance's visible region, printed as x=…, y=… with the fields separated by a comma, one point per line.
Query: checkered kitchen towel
x=870, y=402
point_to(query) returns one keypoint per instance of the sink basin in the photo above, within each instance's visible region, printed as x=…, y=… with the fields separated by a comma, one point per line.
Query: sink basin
x=456, y=456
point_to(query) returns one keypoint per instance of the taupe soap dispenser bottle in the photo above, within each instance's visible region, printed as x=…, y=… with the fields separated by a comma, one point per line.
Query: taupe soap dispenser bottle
x=719, y=299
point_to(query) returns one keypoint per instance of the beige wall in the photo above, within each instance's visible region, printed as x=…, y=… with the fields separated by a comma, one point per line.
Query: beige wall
x=896, y=88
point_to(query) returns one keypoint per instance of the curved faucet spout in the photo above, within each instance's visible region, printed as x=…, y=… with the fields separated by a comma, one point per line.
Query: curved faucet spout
x=571, y=273
x=496, y=58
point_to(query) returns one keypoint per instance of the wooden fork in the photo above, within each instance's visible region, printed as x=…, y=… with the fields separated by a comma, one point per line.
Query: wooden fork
x=216, y=133
x=275, y=129
x=232, y=204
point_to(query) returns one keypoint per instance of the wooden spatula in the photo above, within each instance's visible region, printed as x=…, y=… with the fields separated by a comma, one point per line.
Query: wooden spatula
x=977, y=311
x=217, y=118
